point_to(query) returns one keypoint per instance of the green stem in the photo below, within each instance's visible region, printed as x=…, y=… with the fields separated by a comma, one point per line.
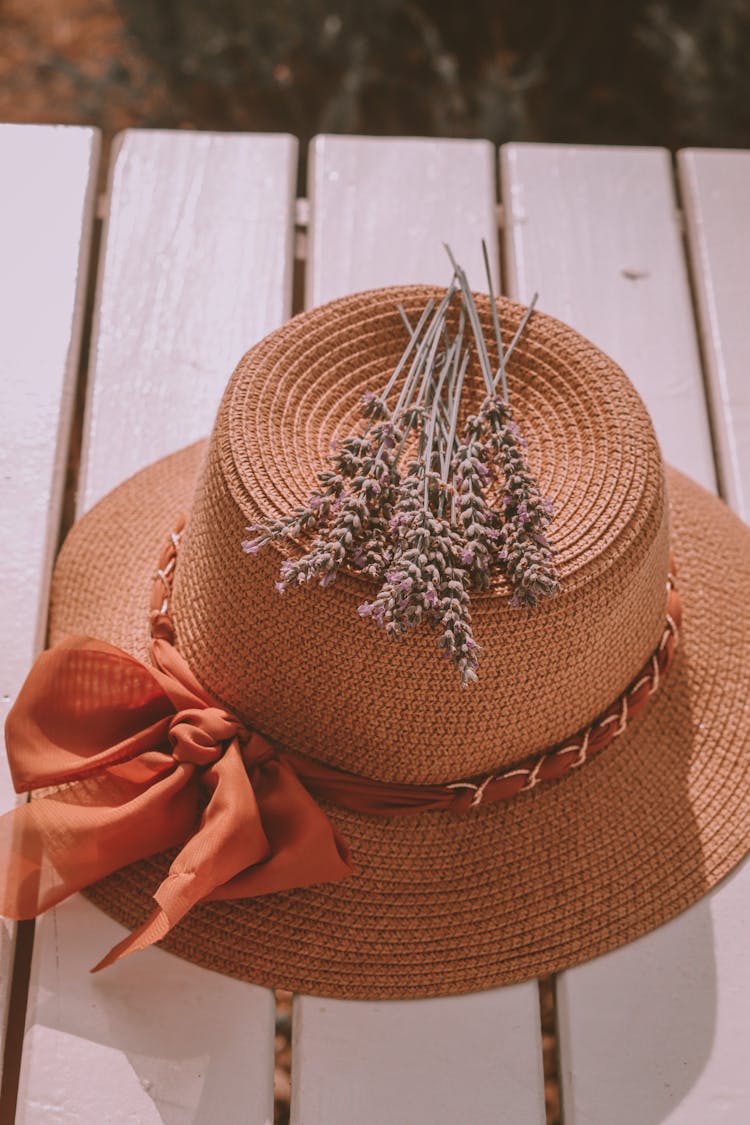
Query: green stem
x=496, y=324
x=412, y=340
x=437, y=391
x=521, y=327
x=423, y=362
x=471, y=308
x=454, y=420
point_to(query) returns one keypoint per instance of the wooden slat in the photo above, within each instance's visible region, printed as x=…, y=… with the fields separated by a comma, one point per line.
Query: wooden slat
x=200, y=243
x=47, y=197
x=156, y=1041
x=380, y=211
x=196, y=267
x=716, y=197
x=596, y=232
x=692, y=979
x=655, y=1032
x=469, y=1058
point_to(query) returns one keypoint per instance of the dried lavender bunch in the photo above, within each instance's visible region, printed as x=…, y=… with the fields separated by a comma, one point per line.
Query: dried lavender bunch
x=432, y=534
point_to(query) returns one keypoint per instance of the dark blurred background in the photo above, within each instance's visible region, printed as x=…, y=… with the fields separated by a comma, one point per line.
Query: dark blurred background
x=667, y=72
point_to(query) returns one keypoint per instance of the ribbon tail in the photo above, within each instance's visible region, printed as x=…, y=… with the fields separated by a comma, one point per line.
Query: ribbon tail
x=154, y=929
x=174, y=898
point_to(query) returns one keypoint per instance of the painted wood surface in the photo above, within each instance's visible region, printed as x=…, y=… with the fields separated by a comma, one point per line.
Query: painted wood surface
x=47, y=203
x=442, y=1061
x=475, y=1058
x=654, y=1032
x=596, y=231
x=196, y=267
x=715, y=190
x=152, y=1041
x=382, y=207
x=199, y=236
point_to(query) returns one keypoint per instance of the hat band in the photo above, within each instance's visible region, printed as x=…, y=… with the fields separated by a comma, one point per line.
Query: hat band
x=367, y=795
x=140, y=759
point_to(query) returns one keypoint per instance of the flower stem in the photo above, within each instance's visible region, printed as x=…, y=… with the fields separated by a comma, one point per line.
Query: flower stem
x=496, y=324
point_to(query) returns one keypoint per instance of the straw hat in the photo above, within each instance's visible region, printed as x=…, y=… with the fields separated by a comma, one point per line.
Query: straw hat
x=604, y=837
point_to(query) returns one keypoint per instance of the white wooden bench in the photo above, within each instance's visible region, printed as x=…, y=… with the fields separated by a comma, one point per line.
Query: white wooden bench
x=199, y=234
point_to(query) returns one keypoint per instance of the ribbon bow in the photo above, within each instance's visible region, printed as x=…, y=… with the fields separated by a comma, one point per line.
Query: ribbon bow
x=141, y=759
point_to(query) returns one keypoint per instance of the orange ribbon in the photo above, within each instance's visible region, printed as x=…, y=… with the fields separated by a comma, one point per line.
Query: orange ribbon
x=145, y=761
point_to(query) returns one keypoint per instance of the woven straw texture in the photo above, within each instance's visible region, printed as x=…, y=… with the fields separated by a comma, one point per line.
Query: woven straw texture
x=442, y=904
x=596, y=456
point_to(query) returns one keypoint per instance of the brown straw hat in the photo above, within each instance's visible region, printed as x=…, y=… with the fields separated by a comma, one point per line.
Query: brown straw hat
x=593, y=849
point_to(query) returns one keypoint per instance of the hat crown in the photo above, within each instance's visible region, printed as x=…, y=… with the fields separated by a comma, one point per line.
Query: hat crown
x=306, y=670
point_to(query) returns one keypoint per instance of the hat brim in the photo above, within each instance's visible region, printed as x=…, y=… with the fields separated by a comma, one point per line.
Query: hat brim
x=442, y=904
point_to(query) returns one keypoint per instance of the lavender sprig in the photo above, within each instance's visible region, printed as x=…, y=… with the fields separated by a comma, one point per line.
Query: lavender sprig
x=427, y=582
x=524, y=549
x=409, y=592
x=452, y=614
x=471, y=473
x=347, y=461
